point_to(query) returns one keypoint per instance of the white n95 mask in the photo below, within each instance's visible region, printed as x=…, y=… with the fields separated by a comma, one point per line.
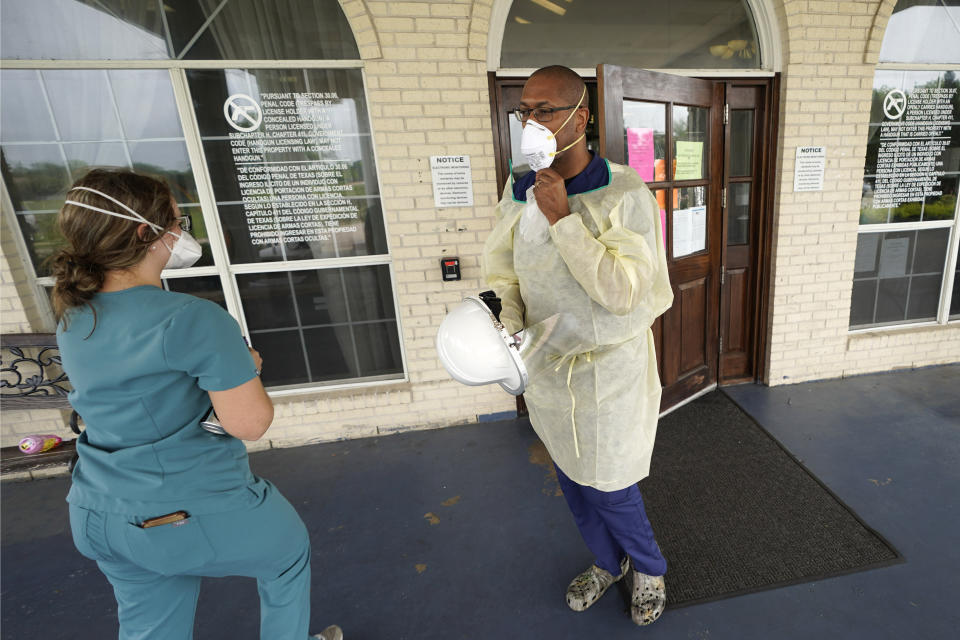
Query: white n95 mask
x=185, y=251
x=539, y=145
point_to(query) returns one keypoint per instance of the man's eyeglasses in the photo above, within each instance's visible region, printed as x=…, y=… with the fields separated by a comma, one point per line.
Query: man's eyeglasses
x=186, y=224
x=540, y=114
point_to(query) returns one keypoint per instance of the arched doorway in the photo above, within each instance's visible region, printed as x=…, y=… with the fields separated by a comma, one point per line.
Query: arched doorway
x=710, y=105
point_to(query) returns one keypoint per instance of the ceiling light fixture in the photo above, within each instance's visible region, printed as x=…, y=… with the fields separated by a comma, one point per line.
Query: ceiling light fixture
x=550, y=6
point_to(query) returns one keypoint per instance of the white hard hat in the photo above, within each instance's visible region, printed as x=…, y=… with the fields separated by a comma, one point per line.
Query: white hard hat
x=475, y=349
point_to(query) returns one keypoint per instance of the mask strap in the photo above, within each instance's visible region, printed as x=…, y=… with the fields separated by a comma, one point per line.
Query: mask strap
x=137, y=218
x=572, y=111
x=569, y=145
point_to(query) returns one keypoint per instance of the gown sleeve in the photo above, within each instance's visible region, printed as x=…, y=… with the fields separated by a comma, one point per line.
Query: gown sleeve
x=622, y=266
x=497, y=265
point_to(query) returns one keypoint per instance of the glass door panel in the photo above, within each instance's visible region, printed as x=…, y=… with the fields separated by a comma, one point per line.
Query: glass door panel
x=738, y=213
x=645, y=138
x=691, y=146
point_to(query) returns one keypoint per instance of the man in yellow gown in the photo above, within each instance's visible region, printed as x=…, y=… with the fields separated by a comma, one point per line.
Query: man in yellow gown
x=579, y=238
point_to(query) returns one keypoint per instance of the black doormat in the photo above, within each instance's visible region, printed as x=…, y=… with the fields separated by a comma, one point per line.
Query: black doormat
x=734, y=512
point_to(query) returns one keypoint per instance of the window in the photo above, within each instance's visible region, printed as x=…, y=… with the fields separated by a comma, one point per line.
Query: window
x=275, y=166
x=907, y=243
x=649, y=34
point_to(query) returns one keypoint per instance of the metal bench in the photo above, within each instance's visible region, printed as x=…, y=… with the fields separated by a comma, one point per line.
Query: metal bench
x=31, y=378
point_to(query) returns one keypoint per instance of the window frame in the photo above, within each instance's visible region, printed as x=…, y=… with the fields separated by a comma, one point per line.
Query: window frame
x=222, y=267
x=950, y=263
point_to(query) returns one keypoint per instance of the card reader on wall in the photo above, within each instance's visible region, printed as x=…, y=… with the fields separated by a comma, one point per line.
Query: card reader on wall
x=450, y=268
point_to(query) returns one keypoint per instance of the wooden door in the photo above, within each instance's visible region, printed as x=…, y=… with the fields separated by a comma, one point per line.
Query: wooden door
x=675, y=124
x=744, y=196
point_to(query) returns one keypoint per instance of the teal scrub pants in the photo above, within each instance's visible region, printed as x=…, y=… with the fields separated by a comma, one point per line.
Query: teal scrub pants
x=156, y=572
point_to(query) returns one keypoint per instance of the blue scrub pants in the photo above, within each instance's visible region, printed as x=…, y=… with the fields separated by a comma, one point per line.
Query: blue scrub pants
x=614, y=524
x=156, y=572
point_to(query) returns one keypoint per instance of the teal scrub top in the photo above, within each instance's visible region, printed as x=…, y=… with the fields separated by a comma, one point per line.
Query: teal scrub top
x=141, y=366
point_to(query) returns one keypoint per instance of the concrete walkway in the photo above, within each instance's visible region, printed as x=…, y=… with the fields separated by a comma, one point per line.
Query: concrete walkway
x=461, y=533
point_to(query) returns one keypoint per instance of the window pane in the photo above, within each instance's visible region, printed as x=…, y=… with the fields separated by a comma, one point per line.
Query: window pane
x=863, y=301
x=327, y=324
x=83, y=156
x=169, y=161
x=892, y=300
x=286, y=364
x=258, y=30
x=924, y=298
x=146, y=103
x=931, y=251
x=916, y=24
x=378, y=350
x=82, y=29
x=645, y=138
x=82, y=105
x=690, y=142
x=36, y=176
x=649, y=34
x=741, y=142
x=738, y=213
x=689, y=221
x=293, y=168
x=207, y=287
x=42, y=236
x=25, y=116
x=897, y=277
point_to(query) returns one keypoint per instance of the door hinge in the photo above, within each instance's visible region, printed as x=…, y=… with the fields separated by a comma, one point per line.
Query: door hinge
x=726, y=114
x=723, y=198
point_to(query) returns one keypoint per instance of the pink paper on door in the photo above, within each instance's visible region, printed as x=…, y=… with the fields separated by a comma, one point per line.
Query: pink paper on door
x=640, y=152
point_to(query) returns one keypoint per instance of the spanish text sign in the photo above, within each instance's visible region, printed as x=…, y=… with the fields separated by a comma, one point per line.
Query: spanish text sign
x=452, y=181
x=808, y=170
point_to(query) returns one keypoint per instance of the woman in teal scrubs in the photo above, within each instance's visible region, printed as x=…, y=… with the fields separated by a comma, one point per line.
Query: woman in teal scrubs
x=156, y=500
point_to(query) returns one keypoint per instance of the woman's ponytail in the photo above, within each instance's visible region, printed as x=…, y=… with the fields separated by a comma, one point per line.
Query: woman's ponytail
x=77, y=281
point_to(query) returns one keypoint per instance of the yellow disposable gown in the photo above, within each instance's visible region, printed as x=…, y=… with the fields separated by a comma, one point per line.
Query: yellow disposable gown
x=604, y=271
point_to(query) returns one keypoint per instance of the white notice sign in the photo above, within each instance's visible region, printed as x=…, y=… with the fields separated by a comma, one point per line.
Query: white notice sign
x=689, y=231
x=452, y=181
x=867, y=246
x=893, y=257
x=808, y=170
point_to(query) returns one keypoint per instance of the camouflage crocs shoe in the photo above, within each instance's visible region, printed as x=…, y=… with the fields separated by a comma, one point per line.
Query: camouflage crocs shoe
x=587, y=587
x=648, y=597
x=332, y=632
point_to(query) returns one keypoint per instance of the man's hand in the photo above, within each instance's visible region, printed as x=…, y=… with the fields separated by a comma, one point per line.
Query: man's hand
x=551, y=195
